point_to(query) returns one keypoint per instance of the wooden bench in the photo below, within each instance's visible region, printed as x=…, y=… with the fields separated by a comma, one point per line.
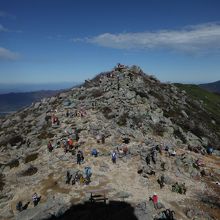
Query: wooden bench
x=98, y=195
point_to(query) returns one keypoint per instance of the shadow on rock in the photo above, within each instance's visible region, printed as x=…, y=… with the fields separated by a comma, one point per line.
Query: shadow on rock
x=99, y=211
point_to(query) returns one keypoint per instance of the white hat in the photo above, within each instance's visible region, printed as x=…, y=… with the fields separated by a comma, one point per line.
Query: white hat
x=155, y=194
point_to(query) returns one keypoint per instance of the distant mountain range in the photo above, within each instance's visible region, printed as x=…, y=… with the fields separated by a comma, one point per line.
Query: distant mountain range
x=212, y=87
x=12, y=102
x=16, y=96
x=22, y=87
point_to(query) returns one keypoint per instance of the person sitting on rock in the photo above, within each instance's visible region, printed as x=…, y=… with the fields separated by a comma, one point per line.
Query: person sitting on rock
x=154, y=156
x=98, y=138
x=199, y=162
x=166, y=148
x=182, y=189
x=161, y=181
x=125, y=149
x=67, y=113
x=172, y=153
x=147, y=159
x=36, y=199
x=158, y=148
x=70, y=143
x=19, y=206
x=94, y=153
x=103, y=138
x=28, y=142
x=163, y=165
x=175, y=187
x=209, y=150
x=169, y=214
x=50, y=146
x=68, y=177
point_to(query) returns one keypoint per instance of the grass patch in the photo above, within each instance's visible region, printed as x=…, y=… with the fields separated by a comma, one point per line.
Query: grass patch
x=211, y=101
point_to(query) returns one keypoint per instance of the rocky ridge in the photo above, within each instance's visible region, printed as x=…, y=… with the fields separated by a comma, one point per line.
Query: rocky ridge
x=122, y=103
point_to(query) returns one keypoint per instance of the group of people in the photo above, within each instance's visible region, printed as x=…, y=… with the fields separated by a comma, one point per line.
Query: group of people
x=35, y=199
x=167, y=214
x=79, y=177
x=100, y=138
x=179, y=188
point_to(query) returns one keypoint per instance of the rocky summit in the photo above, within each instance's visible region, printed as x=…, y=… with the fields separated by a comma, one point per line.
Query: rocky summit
x=152, y=150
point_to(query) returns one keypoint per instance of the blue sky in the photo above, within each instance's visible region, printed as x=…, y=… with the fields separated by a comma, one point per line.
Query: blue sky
x=62, y=40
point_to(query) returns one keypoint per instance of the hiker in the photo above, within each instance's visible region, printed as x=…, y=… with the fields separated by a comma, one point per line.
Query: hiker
x=103, y=138
x=67, y=113
x=98, y=138
x=82, y=157
x=94, y=153
x=163, y=165
x=114, y=156
x=126, y=140
x=155, y=200
x=199, y=162
x=50, y=146
x=78, y=157
x=70, y=143
x=172, y=153
x=19, y=206
x=125, y=150
x=183, y=189
x=88, y=172
x=28, y=143
x=147, y=159
x=154, y=155
x=175, y=187
x=36, y=199
x=169, y=214
x=161, y=181
x=209, y=150
x=68, y=177
x=179, y=188
x=166, y=148
x=158, y=148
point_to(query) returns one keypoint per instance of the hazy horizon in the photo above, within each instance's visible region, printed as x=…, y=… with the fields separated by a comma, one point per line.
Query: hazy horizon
x=71, y=41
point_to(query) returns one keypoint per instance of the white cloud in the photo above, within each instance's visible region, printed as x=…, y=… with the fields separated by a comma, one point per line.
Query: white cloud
x=199, y=38
x=3, y=29
x=6, y=54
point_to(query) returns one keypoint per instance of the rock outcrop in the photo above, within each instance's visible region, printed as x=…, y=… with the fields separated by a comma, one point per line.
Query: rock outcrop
x=117, y=110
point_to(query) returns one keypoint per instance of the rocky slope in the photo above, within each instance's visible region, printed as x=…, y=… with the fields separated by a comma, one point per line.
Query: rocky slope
x=122, y=103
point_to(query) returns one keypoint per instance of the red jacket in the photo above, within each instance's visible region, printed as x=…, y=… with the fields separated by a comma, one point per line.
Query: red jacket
x=155, y=199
